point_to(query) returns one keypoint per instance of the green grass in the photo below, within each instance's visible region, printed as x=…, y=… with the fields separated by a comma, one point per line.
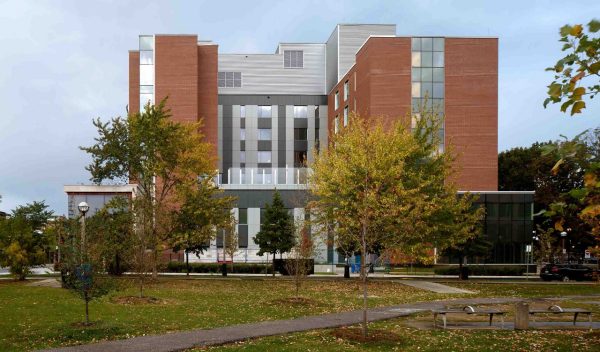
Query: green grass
x=41, y=317
x=427, y=340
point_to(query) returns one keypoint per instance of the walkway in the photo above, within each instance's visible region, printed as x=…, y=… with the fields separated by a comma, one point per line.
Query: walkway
x=433, y=286
x=180, y=341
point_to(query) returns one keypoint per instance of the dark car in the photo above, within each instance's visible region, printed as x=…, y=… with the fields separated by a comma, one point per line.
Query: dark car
x=566, y=272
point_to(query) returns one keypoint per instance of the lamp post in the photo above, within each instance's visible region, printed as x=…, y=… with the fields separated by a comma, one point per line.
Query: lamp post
x=83, y=209
x=563, y=236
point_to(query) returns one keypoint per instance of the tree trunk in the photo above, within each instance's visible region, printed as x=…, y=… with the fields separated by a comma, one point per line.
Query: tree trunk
x=273, y=264
x=187, y=264
x=87, y=312
x=363, y=273
x=118, y=264
x=460, y=268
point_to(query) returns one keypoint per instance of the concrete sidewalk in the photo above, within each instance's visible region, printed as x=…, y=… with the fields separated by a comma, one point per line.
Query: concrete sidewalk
x=180, y=341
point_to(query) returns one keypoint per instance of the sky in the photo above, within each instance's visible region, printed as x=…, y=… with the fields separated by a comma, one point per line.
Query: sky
x=64, y=63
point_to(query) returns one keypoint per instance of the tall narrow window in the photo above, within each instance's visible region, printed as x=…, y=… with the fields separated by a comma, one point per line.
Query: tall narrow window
x=242, y=110
x=300, y=134
x=300, y=111
x=242, y=134
x=336, y=103
x=264, y=111
x=346, y=115
x=264, y=157
x=346, y=90
x=336, y=124
x=264, y=134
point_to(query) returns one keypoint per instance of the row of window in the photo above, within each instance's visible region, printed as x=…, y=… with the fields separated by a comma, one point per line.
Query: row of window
x=266, y=111
x=229, y=79
x=265, y=134
x=427, y=59
x=427, y=44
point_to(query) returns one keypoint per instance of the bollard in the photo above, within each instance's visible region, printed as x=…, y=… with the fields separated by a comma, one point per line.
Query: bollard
x=522, y=316
x=346, y=271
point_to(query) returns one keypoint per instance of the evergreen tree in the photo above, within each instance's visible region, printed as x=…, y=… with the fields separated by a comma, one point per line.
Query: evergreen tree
x=276, y=231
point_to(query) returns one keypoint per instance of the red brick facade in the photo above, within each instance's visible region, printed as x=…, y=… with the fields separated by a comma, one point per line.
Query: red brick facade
x=134, y=81
x=176, y=75
x=380, y=85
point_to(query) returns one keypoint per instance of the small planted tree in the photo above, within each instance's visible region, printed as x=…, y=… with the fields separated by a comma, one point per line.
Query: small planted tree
x=23, y=240
x=81, y=268
x=276, y=233
x=299, y=262
x=230, y=239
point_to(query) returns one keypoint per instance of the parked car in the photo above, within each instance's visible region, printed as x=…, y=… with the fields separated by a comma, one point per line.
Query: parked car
x=566, y=272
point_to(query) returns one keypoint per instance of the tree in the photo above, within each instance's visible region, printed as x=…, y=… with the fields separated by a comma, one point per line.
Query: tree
x=277, y=229
x=581, y=202
x=298, y=262
x=577, y=74
x=81, y=273
x=23, y=242
x=203, y=210
x=157, y=154
x=386, y=187
x=230, y=239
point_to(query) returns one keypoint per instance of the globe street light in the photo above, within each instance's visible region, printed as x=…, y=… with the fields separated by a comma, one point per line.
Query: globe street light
x=83, y=208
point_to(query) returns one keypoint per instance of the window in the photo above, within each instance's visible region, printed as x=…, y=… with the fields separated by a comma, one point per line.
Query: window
x=346, y=115
x=300, y=112
x=346, y=90
x=242, y=110
x=264, y=157
x=300, y=159
x=229, y=79
x=336, y=124
x=242, y=134
x=146, y=57
x=264, y=134
x=316, y=112
x=243, y=216
x=293, y=59
x=243, y=156
x=336, y=103
x=146, y=75
x=300, y=134
x=264, y=111
x=146, y=42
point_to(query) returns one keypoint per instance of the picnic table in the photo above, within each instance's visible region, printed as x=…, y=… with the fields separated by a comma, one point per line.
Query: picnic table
x=469, y=310
x=555, y=309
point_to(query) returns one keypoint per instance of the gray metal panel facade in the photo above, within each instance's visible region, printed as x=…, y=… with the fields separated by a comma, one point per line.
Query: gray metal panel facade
x=265, y=74
x=282, y=124
x=332, y=59
x=351, y=38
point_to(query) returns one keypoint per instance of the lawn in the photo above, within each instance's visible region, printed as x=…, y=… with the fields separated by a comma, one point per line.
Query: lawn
x=409, y=339
x=39, y=317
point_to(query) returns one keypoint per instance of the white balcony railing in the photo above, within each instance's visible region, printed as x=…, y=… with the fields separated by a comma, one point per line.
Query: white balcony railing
x=264, y=176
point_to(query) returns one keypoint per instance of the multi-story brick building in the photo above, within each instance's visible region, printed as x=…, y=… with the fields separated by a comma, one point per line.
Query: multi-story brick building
x=266, y=113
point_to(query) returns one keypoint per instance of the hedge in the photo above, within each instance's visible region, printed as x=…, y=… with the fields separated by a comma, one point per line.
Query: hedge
x=240, y=268
x=491, y=270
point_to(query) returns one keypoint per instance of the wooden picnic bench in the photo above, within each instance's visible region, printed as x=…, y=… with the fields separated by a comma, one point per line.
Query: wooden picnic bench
x=554, y=309
x=467, y=310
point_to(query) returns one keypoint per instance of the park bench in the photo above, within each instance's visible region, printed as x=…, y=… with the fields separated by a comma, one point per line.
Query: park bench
x=469, y=310
x=554, y=309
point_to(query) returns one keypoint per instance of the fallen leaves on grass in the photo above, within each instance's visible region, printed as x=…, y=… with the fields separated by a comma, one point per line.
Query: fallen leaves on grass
x=355, y=334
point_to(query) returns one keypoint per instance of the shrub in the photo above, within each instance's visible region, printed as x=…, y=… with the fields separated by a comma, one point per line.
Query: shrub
x=490, y=270
x=215, y=268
